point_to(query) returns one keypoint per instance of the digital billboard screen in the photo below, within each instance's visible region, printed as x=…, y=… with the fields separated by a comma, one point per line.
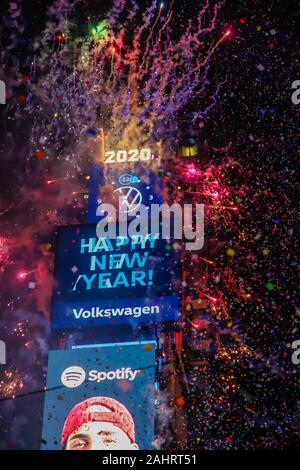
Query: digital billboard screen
x=103, y=281
x=100, y=397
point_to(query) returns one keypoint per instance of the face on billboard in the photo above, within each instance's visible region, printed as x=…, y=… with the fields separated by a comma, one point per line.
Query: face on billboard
x=100, y=398
x=99, y=435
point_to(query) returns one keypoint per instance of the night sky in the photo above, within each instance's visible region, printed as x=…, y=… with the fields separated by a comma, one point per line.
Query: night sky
x=244, y=395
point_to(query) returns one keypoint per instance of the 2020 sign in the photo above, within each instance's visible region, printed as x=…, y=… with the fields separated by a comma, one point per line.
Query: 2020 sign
x=124, y=156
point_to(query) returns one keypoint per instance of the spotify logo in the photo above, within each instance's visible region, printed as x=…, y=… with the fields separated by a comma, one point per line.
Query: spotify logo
x=73, y=376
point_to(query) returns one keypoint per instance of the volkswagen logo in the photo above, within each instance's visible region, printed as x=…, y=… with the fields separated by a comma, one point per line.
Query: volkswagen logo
x=130, y=198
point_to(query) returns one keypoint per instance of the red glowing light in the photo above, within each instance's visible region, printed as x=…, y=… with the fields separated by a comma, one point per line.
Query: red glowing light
x=180, y=401
x=191, y=172
x=21, y=275
x=60, y=37
x=199, y=323
x=40, y=153
x=208, y=261
x=228, y=33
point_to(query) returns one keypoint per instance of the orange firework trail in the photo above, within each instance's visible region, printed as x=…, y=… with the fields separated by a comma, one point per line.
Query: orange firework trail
x=128, y=81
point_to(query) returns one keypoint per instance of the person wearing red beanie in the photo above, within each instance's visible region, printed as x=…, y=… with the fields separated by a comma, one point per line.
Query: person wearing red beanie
x=99, y=423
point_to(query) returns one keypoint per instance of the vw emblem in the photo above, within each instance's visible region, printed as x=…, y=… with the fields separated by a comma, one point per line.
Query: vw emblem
x=131, y=198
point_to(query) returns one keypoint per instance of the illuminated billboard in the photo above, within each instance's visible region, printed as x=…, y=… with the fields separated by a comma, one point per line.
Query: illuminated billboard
x=138, y=186
x=100, y=397
x=103, y=281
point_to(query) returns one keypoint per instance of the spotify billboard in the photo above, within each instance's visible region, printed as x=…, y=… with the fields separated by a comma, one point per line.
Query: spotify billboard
x=100, y=397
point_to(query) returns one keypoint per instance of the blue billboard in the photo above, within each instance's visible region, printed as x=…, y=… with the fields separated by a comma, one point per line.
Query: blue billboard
x=103, y=281
x=100, y=397
x=141, y=187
